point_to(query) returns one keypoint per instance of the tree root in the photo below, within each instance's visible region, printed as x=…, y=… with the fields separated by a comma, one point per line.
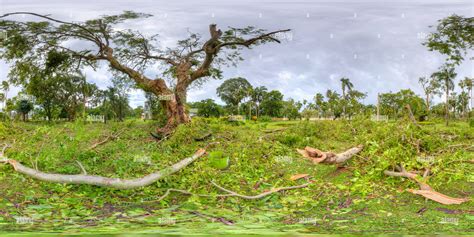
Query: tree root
x=318, y=156
x=103, y=181
x=425, y=190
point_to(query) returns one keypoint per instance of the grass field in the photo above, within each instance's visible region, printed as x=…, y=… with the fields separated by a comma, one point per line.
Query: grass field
x=357, y=198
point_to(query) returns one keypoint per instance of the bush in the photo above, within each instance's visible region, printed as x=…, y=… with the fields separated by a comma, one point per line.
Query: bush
x=265, y=118
x=471, y=122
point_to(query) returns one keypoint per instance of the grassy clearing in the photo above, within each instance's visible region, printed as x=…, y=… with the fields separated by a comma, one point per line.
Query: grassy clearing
x=358, y=199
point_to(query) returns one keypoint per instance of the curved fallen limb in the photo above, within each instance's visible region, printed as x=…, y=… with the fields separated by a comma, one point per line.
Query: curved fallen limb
x=438, y=197
x=318, y=156
x=231, y=193
x=425, y=190
x=104, y=181
x=264, y=194
x=107, y=139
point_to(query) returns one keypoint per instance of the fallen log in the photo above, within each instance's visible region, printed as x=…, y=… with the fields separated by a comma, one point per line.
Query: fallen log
x=318, y=156
x=99, y=180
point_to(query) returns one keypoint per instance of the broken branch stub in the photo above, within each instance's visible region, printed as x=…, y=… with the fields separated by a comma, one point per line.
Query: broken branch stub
x=318, y=156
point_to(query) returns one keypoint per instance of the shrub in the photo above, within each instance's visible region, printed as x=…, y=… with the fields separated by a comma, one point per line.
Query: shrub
x=265, y=118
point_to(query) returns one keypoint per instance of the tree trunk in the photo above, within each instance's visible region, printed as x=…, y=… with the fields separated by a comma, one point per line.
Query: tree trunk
x=175, y=111
x=471, y=103
x=446, y=116
x=428, y=102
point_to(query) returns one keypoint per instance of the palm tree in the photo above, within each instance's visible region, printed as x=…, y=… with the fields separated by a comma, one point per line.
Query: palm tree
x=319, y=103
x=469, y=84
x=446, y=77
x=346, y=84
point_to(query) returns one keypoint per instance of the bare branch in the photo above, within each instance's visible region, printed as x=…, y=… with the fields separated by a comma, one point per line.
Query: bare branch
x=261, y=195
x=104, y=181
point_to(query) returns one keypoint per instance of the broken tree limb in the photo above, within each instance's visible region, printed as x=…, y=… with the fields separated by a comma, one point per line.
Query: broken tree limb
x=261, y=195
x=229, y=193
x=318, y=156
x=410, y=175
x=410, y=114
x=107, y=139
x=425, y=190
x=104, y=181
x=438, y=197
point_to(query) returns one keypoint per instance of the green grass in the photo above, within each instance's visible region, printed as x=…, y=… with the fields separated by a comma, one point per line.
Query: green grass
x=357, y=200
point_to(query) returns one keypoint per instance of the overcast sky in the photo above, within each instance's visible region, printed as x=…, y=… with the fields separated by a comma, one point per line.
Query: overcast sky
x=377, y=44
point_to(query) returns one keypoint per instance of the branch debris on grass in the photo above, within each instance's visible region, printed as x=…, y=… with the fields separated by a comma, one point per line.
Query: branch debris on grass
x=100, y=180
x=317, y=156
x=425, y=190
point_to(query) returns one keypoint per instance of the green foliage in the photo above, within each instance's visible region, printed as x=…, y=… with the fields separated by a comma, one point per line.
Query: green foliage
x=272, y=104
x=394, y=104
x=208, y=108
x=454, y=37
x=259, y=161
x=218, y=160
x=233, y=91
x=264, y=118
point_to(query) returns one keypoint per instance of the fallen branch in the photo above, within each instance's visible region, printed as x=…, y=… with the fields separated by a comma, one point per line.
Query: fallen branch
x=410, y=175
x=425, y=190
x=104, y=181
x=438, y=197
x=410, y=114
x=229, y=193
x=107, y=139
x=318, y=156
x=204, y=137
x=213, y=218
x=264, y=194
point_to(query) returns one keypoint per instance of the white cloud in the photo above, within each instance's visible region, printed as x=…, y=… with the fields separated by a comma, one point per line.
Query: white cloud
x=309, y=61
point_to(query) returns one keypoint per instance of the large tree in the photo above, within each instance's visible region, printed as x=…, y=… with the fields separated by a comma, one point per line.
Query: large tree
x=454, y=37
x=129, y=52
x=208, y=108
x=233, y=91
x=431, y=87
x=272, y=104
x=23, y=107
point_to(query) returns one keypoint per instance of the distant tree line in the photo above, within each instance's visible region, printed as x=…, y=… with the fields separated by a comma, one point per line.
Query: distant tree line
x=54, y=88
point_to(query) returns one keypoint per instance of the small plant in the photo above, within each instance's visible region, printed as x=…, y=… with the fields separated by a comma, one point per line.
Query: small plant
x=218, y=161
